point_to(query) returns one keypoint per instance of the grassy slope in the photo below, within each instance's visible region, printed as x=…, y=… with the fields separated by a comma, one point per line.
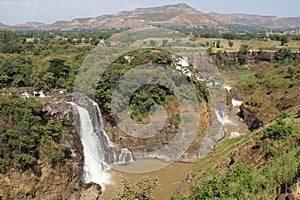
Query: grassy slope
x=269, y=175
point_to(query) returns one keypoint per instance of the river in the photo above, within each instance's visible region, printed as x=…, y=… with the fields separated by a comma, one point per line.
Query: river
x=169, y=178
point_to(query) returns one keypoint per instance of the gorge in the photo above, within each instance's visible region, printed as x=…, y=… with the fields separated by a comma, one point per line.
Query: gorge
x=210, y=113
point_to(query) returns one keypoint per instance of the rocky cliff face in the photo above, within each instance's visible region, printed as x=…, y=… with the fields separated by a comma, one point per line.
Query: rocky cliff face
x=135, y=144
x=58, y=111
x=249, y=112
x=265, y=105
x=60, y=182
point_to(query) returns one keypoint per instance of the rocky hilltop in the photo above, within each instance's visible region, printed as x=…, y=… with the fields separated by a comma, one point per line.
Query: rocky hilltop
x=179, y=15
x=171, y=16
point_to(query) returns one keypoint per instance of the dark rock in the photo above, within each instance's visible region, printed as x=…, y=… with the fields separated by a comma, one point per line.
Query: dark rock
x=285, y=196
x=58, y=111
x=248, y=113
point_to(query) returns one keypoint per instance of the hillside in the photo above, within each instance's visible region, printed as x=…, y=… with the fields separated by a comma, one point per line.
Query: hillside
x=253, y=166
x=269, y=22
x=179, y=15
x=171, y=16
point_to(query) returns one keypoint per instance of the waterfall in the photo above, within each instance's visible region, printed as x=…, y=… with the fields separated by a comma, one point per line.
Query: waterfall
x=124, y=157
x=236, y=103
x=228, y=87
x=98, y=150
x=222, y=118
x=95, y=163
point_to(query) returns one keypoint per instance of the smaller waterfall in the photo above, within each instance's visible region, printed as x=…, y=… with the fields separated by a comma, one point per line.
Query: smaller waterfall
x=236, y=103
x=222, y=118
x=125, y=156
x=228, y=87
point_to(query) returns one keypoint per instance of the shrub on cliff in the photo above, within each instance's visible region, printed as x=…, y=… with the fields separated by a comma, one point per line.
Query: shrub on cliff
x=21, y=131
x=278, y=131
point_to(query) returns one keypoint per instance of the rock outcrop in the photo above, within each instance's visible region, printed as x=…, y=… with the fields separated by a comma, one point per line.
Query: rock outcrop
x=249, y=112
x=58, y=111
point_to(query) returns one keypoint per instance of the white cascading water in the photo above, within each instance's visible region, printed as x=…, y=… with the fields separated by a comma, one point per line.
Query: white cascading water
x=222, y=118
x=228, y=87
x=236, y=103
x=124, y=157
x=97, y=147
x=94, y=159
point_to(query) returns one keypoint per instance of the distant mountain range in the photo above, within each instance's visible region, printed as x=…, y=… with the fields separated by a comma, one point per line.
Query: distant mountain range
x=171, y=16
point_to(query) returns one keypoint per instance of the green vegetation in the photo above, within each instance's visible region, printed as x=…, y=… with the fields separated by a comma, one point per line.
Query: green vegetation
x=278, y=131
x=243, y=180
x=23, y=131
x=142, y=189
x=44, y=60
x=145, y=97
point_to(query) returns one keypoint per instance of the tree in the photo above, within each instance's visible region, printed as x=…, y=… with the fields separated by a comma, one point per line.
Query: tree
x=291, y=73
x=57, y=67
x=8, y=42
x=164, y=42
x=94, y=41
x=230, y=43
x=278, y=131
x=207, y=43
x=218, y=44
x=284, y=40
x=284, y=54
x=59, y=70
x=142, y=189
x=23, y=132
x=243, y=54
x=244, y=48
x=261, y=70
x=152, y=43
x=14, y=73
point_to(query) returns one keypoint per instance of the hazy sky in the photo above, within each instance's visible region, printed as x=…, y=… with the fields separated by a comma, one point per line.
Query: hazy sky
x=49, y=11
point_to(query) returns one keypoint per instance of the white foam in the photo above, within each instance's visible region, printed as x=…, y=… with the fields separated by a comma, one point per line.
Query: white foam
x=236, y=103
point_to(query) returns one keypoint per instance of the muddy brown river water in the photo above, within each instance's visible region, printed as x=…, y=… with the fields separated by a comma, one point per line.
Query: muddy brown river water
x=169, y=178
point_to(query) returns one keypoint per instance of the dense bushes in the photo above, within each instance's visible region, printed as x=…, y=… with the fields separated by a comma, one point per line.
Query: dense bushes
x=44, y=60
x=243, y=182
x=147, y=95
x=278, y=131
x=142, y=99
x=9, y=42
x=23, y=131
x=142, y=189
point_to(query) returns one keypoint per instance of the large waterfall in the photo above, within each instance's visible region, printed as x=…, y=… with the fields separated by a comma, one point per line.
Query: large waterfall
x=94, y=159
x=98, y=150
